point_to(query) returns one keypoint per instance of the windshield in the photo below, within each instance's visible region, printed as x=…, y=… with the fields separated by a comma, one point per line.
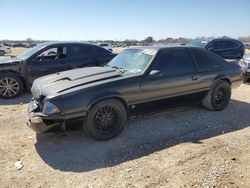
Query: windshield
x=198, y=43
x=30, y=52
x=133, y=60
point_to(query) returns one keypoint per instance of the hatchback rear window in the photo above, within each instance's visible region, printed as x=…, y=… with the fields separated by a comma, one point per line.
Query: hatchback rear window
x=207, y=61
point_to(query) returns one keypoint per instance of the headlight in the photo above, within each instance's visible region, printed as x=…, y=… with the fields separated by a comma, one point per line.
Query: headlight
x=50, y=108
x=243, y=63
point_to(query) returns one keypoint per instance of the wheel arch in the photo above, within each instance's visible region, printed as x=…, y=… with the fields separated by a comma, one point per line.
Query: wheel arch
x=222, y=77
x=106, y=97
x=25, y=83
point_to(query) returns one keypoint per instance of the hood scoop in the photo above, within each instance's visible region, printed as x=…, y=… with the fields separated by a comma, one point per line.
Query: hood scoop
x=63, y=81
x=78, y=74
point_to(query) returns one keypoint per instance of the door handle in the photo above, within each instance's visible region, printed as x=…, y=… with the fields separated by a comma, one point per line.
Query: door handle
x=195, y=77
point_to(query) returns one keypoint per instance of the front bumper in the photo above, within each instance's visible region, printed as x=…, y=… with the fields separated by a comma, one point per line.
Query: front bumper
x=38, y=121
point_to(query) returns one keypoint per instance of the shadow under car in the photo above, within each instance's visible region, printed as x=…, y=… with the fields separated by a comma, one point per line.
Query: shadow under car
x=74, y=151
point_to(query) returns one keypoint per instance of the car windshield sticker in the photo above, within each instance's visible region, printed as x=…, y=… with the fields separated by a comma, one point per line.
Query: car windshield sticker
x=149, y=51
x=204, y=42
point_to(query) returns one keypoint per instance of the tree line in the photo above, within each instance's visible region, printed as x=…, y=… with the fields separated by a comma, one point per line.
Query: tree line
x=148, y=40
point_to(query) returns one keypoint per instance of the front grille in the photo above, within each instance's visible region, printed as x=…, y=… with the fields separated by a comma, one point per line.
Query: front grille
x=39, y=103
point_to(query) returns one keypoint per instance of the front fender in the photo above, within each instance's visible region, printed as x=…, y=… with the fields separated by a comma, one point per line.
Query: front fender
x=107, y=95
x=77, y=105
x=221, y=77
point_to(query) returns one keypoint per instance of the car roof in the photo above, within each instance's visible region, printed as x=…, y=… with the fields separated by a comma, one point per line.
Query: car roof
x=64, y=42
x=220, y=38
x=161, y=47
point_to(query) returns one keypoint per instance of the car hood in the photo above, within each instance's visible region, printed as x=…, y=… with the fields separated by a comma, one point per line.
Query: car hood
x=8, y=60
x=62, y=81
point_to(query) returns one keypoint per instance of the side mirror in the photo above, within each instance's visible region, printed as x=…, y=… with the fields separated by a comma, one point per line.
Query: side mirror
x=155, y=74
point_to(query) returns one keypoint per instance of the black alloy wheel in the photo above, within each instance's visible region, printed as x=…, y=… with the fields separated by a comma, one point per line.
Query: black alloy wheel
x=106, y=119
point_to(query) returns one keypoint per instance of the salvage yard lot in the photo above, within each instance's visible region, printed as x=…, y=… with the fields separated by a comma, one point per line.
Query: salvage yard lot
x=183, y=147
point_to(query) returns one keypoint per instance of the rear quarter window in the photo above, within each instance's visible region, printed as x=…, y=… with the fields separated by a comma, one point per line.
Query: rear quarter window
x=207, y=61
x=101, y=51
x=78, y=51
x=231, y=44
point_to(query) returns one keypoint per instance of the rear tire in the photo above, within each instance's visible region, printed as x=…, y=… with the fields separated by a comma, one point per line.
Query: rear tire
x=106, y=119
x=218, y=97
x=2, y=53
x=11, y=86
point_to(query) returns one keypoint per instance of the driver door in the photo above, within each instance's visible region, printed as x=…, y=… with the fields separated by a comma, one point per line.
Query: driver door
x=176, y=76
x=49, y=61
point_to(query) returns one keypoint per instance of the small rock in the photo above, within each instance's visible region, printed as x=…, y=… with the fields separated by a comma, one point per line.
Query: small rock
x=18, y=165
x=233, y=159
x=129, y=170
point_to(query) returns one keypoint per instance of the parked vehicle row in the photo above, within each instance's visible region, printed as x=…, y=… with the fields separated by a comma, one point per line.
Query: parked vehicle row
x=18, y=73
x=106, y=46
x=104, y=97
x=4, y=50
x=104, y=91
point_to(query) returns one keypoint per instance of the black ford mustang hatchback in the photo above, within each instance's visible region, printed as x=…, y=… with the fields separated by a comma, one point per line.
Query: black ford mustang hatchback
x=104, y=97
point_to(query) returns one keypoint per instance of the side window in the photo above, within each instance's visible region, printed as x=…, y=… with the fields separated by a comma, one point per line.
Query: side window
x=101, y=51
x=217, y=45
x=174, y=62
x=206, y=60
x=230, y=44
x=53, y=53
x=49, y=52
x=79, y=51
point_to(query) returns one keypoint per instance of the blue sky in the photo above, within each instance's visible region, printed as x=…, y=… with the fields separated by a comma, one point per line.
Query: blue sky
x=123, y=19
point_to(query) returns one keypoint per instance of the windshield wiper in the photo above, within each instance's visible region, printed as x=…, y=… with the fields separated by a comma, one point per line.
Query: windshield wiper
x=122, y=70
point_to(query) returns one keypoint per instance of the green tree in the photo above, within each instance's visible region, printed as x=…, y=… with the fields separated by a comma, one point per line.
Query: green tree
x=149, y=40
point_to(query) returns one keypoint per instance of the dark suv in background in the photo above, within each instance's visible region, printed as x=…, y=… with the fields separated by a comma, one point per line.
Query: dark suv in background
x=226, y=48
x=18, y=73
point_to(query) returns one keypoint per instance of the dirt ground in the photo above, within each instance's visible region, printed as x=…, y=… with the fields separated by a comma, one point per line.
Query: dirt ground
x=184, y=147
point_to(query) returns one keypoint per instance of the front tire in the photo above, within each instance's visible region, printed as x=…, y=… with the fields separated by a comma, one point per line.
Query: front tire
x=218, y=97
x=11, y=86
x=106, y=119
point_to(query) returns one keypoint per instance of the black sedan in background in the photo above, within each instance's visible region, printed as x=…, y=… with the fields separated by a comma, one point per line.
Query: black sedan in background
x=18, y=73
x=226, y=48
x=103, y=97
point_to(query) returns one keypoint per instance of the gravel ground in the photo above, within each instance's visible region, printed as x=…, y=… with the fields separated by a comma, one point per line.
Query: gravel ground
x=183, y=147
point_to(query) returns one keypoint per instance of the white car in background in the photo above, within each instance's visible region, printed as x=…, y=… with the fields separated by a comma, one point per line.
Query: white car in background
x=245, y=66
x=106, y=46
x=4, y=50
